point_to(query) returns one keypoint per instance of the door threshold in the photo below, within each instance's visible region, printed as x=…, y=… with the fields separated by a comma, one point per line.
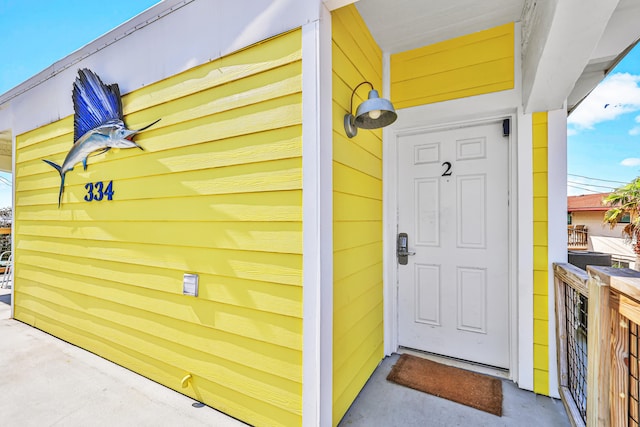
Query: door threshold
x=480, y=368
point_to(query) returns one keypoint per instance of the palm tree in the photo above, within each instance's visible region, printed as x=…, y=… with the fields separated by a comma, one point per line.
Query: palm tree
x=626, y=201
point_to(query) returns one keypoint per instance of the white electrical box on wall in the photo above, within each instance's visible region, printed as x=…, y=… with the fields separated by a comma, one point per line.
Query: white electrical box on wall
x=190, y=284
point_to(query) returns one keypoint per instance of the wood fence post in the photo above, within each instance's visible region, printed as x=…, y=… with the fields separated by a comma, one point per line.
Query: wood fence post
x=598, y=353
x=561, y=334
x=619, y=394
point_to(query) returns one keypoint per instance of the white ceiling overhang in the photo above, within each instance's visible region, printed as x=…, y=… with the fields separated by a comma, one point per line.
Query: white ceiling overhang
x=568, y=46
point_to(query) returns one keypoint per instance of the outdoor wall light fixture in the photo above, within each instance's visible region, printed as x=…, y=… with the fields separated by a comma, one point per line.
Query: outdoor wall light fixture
x=373, y=113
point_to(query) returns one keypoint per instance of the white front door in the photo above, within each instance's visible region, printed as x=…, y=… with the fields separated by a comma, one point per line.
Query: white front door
x=453, y=203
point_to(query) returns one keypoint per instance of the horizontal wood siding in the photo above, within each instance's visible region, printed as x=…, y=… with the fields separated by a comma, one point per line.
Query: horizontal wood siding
x=357, y=211
x=474, y=64
x=217, y=192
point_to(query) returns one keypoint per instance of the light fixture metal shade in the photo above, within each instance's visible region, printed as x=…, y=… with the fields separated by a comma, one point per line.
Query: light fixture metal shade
x=375, y=112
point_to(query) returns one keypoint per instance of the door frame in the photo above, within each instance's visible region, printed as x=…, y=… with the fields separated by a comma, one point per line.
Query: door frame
x=390, y=220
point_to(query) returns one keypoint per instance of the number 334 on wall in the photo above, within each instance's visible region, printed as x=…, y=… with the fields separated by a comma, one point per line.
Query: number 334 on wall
x=97, y=191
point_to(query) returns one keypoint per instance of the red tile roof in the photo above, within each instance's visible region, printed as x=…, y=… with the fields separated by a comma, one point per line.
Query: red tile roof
x=587, y=202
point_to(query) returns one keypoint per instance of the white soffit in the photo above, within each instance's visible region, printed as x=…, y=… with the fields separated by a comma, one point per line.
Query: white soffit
x=407, y=24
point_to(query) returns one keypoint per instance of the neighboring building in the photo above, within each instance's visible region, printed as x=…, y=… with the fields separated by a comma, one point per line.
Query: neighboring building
x=250, y=182
x=587, y=212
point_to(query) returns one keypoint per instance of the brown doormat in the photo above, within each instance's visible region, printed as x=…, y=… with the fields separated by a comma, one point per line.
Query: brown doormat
x=471, y=389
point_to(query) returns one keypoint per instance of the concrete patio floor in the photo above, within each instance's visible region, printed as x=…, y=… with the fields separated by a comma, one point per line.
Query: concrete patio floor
x=382, y=403
x=49, y=382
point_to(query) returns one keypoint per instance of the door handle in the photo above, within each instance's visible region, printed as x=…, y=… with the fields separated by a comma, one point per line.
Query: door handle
x=402, y=249
x=406, y=253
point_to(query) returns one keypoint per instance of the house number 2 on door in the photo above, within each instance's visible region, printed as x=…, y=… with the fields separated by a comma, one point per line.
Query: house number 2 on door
x=97, y=190
x=447, y=170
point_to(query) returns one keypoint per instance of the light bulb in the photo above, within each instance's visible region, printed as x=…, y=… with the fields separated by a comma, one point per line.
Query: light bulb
x=374, y=114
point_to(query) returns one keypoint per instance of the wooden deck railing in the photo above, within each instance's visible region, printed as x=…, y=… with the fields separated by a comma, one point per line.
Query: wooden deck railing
x=572, y=291
x=577, y=237
x=599, y=309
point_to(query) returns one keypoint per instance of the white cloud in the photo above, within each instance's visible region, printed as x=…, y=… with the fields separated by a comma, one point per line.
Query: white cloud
x=616, y=95
x=630, y=161
x=636, y=129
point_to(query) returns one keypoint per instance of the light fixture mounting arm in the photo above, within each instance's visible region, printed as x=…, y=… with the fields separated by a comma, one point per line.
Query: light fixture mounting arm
x=354, y=92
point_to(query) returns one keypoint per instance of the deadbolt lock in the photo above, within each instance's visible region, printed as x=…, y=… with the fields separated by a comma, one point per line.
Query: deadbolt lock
x=403, y=249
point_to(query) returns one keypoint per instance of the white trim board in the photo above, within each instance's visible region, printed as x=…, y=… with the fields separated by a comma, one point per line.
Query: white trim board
x=317, y=183
x=525, y=250
x=557, y=236
x=389, y=226
x=13, y=223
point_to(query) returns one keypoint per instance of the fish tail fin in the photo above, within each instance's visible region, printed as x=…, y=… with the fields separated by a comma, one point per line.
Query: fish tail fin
x=54, y=165
x=62, y=174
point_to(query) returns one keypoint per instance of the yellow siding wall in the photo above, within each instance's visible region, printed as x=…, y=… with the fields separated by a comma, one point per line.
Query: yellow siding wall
x=217, y=192
x=540, y=256
x=474, y=64
x=357, y=210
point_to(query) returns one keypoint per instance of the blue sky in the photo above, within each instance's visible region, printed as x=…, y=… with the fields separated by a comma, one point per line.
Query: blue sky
x=37, y=33
x=604, y=132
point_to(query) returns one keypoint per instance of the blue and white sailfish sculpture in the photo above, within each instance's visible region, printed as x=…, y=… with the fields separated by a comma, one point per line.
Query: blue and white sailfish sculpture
x=98, y=123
